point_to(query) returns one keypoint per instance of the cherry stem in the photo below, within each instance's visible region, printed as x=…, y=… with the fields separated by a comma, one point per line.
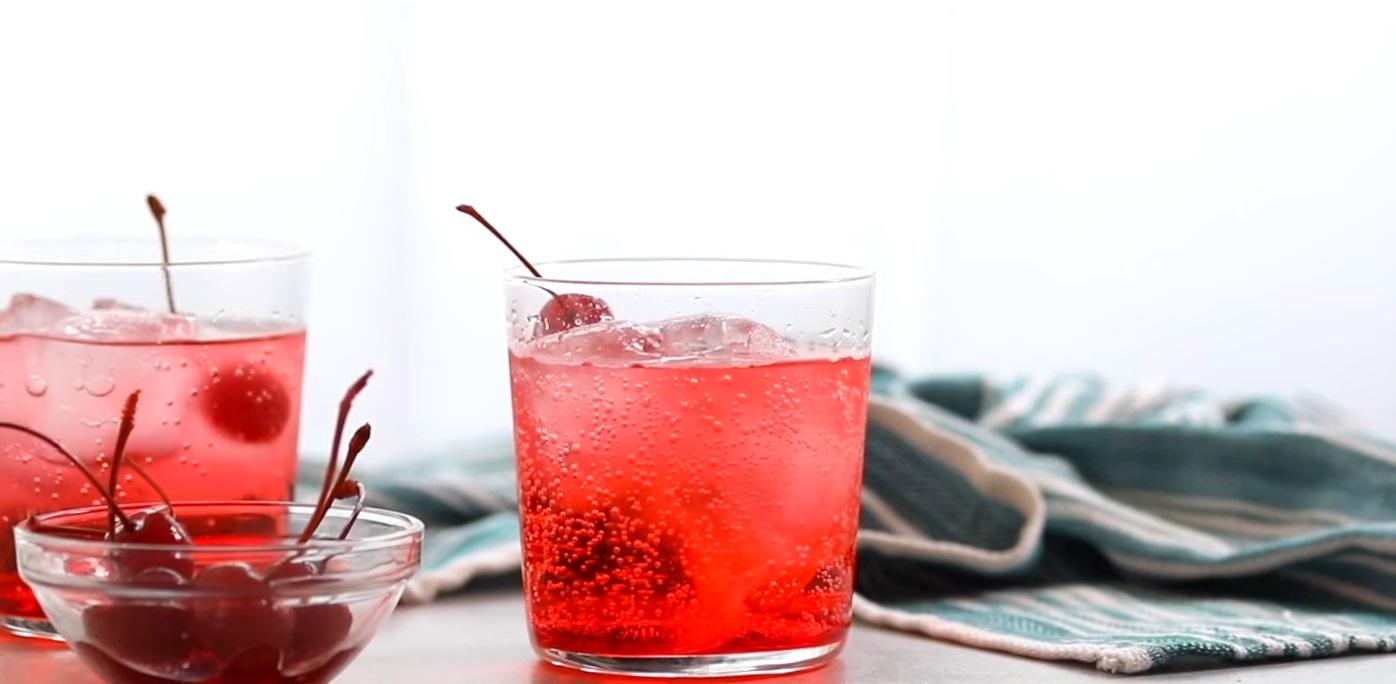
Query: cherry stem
x=96, y=483
x=360, y=494
x=340, y=490
x=356, y=446
x=345, y=405
x=158, y=211
x=159, y=491
x=322, y=503
x=470, y=211
x=128, y=423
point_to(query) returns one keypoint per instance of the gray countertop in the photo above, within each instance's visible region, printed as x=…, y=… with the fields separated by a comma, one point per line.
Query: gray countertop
x=480, y=637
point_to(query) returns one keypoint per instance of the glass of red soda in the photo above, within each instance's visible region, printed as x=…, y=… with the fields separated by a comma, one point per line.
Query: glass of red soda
x=215, y=341
x=689, y=436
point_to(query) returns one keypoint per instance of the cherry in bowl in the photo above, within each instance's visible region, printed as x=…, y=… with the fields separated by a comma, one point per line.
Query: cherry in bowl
x=248, y=601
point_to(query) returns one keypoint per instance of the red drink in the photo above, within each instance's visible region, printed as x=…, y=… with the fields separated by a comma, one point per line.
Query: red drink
x=689, y=508
x=689, y=437
x=219, y=415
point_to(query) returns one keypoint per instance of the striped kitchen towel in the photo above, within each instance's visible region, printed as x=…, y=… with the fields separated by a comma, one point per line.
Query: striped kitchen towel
x=1063, y=518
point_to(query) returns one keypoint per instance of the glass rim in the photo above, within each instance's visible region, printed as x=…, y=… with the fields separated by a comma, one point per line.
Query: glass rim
x=405, y=527
x=275, y=251
x=850, y=273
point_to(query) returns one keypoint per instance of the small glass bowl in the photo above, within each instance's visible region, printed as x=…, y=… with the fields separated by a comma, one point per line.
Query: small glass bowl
x=245, y=603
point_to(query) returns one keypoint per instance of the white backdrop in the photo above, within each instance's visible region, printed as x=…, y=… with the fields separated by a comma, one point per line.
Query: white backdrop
x=1199, y=192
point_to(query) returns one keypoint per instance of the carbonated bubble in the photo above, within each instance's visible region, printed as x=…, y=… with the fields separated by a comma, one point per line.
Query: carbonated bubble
x=36, y=386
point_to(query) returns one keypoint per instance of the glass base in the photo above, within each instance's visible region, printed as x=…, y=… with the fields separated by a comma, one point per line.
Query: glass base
x=29, y=627
x=734, y=665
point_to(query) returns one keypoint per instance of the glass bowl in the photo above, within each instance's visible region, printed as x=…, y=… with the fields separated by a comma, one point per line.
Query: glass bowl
x=244, y=603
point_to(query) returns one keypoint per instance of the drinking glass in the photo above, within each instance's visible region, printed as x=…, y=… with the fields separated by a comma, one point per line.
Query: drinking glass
x=214, y=342
x=689, y=454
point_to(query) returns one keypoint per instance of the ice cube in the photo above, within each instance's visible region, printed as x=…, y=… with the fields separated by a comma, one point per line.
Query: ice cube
x=129, y=325
x=606, y=343
x=721, y=337
x=107, y=303
x=29, y=313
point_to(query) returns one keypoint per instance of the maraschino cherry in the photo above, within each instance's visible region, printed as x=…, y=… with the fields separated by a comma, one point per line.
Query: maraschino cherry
x=563, y=311
x=248, y=403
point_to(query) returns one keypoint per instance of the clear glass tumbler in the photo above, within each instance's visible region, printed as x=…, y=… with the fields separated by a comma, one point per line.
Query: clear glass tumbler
x=689, y=436
x=215, y=343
